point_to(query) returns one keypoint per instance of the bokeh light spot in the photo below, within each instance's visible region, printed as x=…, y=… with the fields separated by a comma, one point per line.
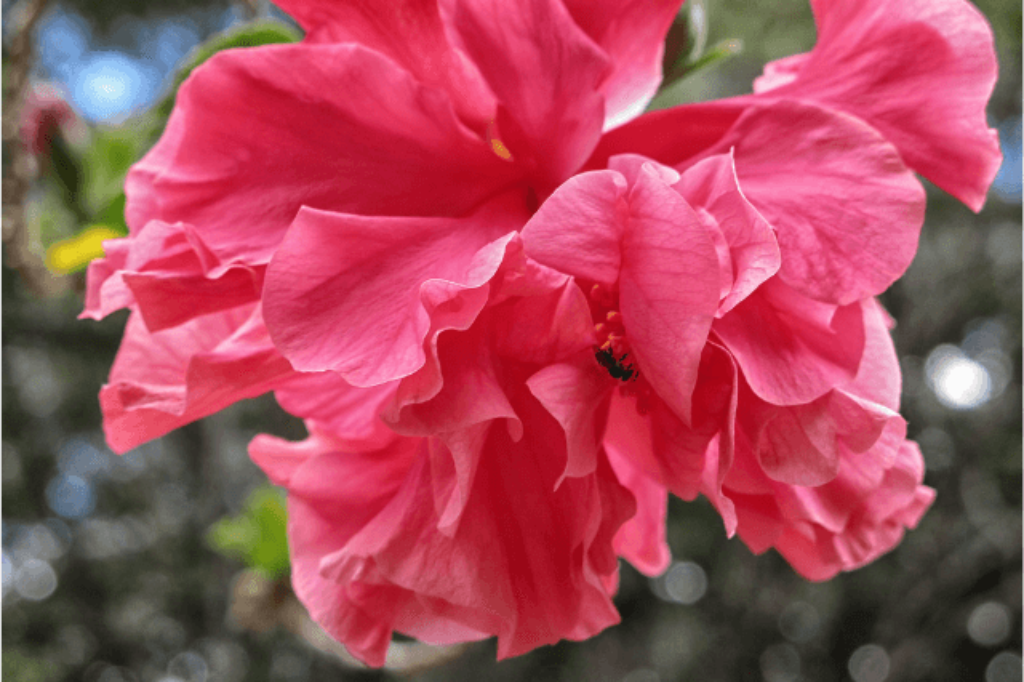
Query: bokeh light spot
x=1004, y=667
x=958, y=381
x=35, y=580
x=989, y=624
x=7, y=572
x=685, y=582
x=869, y=663
x=109, y=84
x=70, y=496
x=188, y=666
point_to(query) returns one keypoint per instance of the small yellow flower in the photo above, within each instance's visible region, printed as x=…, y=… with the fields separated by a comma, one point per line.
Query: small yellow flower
x=73, y=254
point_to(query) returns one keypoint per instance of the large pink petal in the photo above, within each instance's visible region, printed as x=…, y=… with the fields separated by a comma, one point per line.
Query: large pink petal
x=792, y=349
x=170, y=275
x=256, y=134
x=921, y=72
x=411, y=32
x=356, y=294
x=632, y=34
x=166, y=379
x=846, y=211
x=546, y=74
x=668, y=288
x=670, y=136
x=711, y=187
x=579, y=228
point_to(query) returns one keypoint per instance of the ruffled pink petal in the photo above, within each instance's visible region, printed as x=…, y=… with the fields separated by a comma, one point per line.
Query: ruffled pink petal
x=356, y=294
x=858, y=477
x=846, y=211
x=544, y=330
x=717, y=464
x=411, y=32
x=574, y=393
x=169, y=275
x=642, y=539
x=280, y=459
x=532, y=577
x=163, y=380
x=841, y=525
x=879, y=377
x=256, y=134
x=802, y=444
x=717, y=397
x=711, y=187
x=105, y=290
x=920, y=72
x=331, y=405
x=632, y=34
x=792, y=349
x=546, y=74
x=525, y=303
x=332, y=495
x=875, y=524
x=464, y=397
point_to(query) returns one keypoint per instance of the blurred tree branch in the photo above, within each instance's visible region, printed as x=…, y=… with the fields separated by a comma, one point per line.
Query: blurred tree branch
x=19, y=170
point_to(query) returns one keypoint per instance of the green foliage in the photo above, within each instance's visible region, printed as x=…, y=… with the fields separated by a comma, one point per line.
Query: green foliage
x=258, y=535
x=718, y=52
x=110, y=154
x=24, y=668
x=685, y=52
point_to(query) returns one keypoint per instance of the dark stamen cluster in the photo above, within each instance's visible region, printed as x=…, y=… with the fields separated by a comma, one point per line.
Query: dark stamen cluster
x=611, y=350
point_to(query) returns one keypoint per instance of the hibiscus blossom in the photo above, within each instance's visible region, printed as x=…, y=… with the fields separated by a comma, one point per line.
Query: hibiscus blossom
x=513, y=320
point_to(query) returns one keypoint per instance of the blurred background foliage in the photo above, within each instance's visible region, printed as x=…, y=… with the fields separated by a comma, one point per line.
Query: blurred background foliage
x=170, y=563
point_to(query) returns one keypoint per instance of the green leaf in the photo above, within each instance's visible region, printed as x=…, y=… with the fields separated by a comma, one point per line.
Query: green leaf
x=64, y=166
x=258, y=536
x=685, y=52
x=718, y=53
x=110, y=154
x=112, y=214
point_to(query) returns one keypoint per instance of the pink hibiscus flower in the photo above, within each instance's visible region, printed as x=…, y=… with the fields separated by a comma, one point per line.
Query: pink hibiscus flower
x=513, y=320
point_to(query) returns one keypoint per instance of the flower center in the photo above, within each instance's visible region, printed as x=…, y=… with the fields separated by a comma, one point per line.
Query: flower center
x=611, y=351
